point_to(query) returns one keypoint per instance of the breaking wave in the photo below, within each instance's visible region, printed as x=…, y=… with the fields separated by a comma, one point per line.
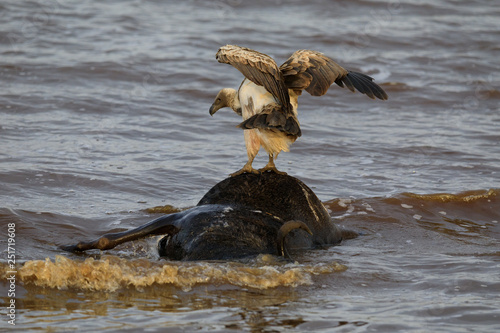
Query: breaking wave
x=110, y=273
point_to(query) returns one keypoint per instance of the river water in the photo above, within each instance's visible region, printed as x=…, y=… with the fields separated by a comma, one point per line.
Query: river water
x=104, y=116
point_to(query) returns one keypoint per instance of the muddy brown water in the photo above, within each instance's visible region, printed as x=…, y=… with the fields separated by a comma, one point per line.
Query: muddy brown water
x=104, y=115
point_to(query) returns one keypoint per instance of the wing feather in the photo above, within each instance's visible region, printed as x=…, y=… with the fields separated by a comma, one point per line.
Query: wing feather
x=363, y=83
x=314, y=72
x=258, y=68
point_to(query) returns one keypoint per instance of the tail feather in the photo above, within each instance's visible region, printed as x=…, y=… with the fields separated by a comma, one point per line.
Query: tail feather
x=272, y=117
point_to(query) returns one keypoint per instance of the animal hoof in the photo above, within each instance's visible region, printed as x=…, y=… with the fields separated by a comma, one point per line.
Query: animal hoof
x=70, y=248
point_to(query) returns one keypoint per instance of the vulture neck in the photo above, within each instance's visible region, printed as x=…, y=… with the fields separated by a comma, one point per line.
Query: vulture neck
x=233, y=101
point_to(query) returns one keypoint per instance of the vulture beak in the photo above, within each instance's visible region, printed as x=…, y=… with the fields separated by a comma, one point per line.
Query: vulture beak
x=212, y=110
x=216, y=106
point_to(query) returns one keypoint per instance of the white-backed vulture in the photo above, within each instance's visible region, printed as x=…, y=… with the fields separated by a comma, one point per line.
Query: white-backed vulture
x=267, y=97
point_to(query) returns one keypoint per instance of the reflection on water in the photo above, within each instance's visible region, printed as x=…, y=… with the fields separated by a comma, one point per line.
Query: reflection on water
x=166, y=307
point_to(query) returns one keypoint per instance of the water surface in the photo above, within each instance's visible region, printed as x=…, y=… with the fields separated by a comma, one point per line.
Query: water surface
x=104, y=115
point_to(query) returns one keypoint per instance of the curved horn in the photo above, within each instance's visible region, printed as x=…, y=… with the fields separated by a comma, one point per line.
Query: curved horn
x=283, y=232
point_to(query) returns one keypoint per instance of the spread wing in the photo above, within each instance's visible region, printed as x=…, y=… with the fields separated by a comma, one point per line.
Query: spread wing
x=314, y=72
x=258, y=67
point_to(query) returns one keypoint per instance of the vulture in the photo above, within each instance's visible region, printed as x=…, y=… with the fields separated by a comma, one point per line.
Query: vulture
x=267, y=97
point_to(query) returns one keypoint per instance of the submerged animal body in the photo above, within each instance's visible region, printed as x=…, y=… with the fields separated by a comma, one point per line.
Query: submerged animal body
x=267, y=99
x=239, y=217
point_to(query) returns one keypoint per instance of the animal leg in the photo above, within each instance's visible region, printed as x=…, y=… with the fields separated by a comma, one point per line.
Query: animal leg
x=160, y=226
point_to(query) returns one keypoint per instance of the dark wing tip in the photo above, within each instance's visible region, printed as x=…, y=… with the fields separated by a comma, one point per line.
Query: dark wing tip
x=362, y=83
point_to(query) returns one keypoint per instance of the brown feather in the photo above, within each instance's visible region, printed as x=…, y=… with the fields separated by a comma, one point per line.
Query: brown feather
x=315, y=71
x=312, y=71
x=258, y=68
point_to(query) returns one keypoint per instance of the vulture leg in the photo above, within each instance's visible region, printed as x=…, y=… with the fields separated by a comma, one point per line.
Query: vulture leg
x=247, y=168
x=271, y=166
x=252, y=142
